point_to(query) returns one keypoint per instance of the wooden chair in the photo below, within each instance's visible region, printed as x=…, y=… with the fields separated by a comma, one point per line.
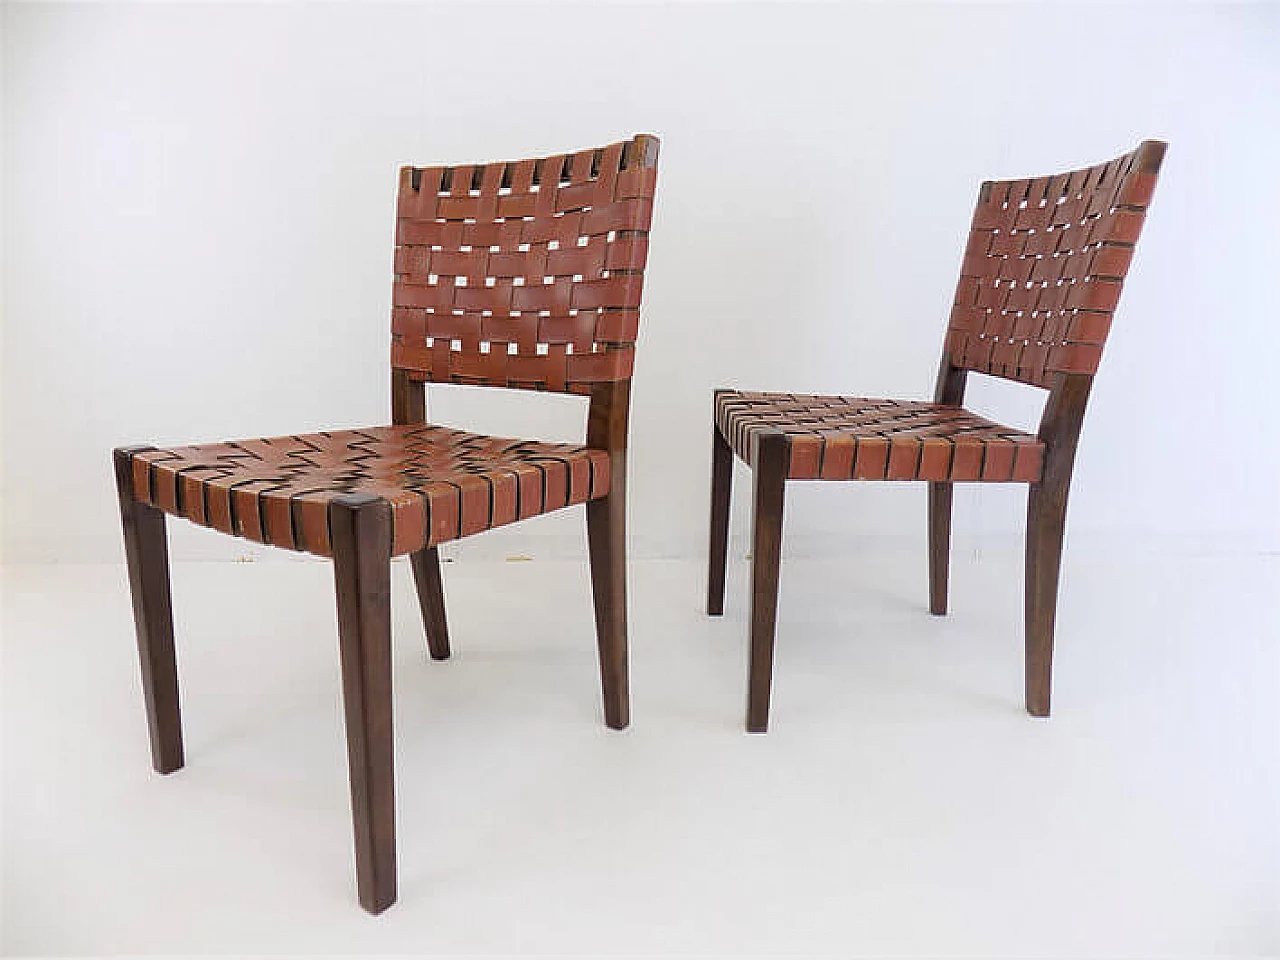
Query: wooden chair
x=525, y=275
x=1040, y=280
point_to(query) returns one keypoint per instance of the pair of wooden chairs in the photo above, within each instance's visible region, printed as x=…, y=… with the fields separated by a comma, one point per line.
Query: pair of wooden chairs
x=528, y=275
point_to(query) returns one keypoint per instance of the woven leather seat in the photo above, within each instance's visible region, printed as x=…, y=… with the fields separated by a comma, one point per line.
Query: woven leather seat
x=442, y=484
x=854, y=438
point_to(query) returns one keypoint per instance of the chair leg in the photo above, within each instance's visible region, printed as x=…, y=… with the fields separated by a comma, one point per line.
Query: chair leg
x=147, y=555
x=426, y=575
x=607, y=544
x=360, y=528
x=717, y=553
x=769, y=477
x=939, y=545
x=1046, y=518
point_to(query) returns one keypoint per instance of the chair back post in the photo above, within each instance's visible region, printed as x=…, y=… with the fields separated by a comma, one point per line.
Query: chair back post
x=609, y=408
x=951, y=382
x=1060, y=426
x=607, y=426
x=408, y=399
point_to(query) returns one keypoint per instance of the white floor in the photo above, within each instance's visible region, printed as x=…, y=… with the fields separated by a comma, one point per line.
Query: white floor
x=903, y=803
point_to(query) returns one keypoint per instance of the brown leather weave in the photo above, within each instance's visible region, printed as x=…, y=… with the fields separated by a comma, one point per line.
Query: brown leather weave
x=852, y=438
x=524, y=274
x=1043, y=268
x=442, y=484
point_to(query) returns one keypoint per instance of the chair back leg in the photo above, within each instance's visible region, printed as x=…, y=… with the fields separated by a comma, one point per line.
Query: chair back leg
x=426, y=576
x=607, y=544
x=1046, y=521
x=950, y=389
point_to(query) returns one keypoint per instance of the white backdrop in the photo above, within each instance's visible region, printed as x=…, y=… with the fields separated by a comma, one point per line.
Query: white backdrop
x=198, y=223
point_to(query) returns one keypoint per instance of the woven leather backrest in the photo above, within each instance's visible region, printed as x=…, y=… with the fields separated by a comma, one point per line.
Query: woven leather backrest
x=524, y=274
x=1044, y=265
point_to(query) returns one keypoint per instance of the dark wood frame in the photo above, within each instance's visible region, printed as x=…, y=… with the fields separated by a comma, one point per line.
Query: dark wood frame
x=1046, y=519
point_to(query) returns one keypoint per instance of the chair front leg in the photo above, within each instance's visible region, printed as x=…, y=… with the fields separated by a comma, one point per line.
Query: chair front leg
x=721, y=487
x=426, y=576
x=147, y=555
x=939, y=545
x=769, y=476
x=360, y=529
x=1046, y=523
x=607, y=544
